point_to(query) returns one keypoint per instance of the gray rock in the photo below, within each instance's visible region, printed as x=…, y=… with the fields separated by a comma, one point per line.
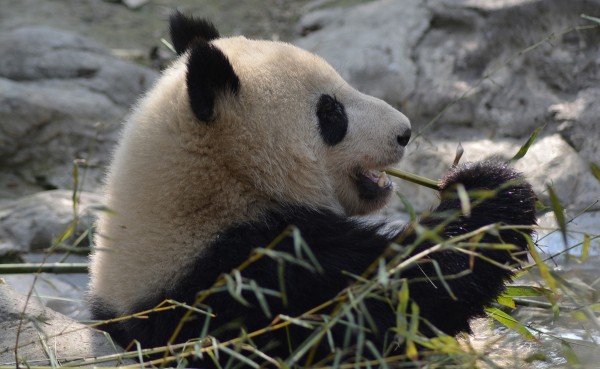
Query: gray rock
x=42, y=53
x=368, y=44
x=514, y=101
x=549, y=161
x=467, y=73
x=63, y=293
x=36, y=221
x=62, y=97
x=47, y=336
x=580, y=123
x=49, y=124
x=453, y=57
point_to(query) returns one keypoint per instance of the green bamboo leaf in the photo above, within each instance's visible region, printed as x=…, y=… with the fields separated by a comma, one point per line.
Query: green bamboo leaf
x=67, y=233
x=543, y=268
x=411, y=350
x=570, y=354
x=539, y=206
x=530, y=291
x=407, y=206
x=440, y=275
x=506, y=301
x=459, y=153
x=285, y=257
x=281, y=279
x=590, y=18
x=585, y=248
x=579, y=315
x=523, y=150
x=465, y=203
x=168, y=45
x=207, y=321
x=298, y=322
x=401, y=310
x=509, y=322
x=415, y=313
x=75, y=185
x=238, y=356
x=235, y=289
x=377, y=355
x=300, y=244
x=138, y=349
x=595, y=170
x=382, y=275
x=262, y=301
x=559, y=213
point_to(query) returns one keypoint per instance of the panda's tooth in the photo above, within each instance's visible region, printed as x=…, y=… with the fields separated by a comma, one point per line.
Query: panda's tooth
x=382, y=180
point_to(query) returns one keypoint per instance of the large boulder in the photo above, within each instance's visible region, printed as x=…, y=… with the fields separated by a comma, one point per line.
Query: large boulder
x=46, y=337
x=34, y=222
x=550, y=161
x=501, y=64
x=484, y=73
x=370, y=45
x=62, y=97
x=580, y=122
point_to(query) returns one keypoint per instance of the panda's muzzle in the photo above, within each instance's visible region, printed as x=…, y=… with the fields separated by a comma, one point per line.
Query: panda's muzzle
x=373, y=184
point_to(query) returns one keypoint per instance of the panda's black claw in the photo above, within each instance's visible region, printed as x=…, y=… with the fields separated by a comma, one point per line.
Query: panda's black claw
x=509, y=198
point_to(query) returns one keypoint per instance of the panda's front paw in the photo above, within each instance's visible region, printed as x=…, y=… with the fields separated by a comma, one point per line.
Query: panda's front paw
x=510, y=199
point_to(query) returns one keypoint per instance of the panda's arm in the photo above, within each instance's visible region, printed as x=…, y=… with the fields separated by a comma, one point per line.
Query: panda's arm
x=344, y=247
x=512, y=202
x=341, y=247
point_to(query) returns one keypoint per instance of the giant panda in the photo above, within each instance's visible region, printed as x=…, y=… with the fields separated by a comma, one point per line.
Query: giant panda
x=254, y=150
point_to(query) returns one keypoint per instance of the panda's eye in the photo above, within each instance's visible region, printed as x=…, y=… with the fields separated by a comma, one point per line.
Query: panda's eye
x=333, y=121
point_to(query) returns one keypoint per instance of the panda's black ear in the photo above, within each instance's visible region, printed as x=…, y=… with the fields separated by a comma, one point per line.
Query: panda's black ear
x=185, y=29
x=209, y=74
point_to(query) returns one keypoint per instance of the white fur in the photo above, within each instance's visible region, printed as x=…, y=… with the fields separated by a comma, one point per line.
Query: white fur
x=176, y=182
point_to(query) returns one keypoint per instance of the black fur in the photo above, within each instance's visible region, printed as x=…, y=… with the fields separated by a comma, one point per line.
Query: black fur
x=333, y=121
x=187, y=29
x=404, y=138
x=209, y=74
x=345, y=247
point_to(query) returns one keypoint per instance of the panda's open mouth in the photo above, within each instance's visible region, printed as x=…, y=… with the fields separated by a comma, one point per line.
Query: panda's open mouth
x=373, y=184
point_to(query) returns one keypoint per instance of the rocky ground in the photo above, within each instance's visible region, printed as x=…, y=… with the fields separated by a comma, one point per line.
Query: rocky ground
x=485, y=73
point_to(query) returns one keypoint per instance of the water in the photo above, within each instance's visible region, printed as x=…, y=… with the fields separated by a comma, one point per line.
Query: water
x=578, y=295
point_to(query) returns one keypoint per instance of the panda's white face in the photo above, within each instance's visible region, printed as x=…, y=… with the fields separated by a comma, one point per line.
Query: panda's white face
x=233, y=129
x=294, y=130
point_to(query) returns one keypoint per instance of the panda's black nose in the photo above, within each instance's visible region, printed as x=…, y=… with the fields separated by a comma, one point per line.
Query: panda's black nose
x=404, y=137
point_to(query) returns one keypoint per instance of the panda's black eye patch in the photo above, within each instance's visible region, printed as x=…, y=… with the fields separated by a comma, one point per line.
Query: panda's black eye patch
x=333, y=121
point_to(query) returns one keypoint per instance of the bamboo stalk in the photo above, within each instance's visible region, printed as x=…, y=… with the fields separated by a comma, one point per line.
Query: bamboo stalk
x=426, y=182
x=57, y=268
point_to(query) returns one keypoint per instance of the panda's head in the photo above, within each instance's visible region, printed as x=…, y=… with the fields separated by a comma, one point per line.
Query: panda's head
x=281, y=121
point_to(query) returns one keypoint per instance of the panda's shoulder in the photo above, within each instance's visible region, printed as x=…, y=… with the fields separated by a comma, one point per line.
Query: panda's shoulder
x=330, y=238
x=312, y=225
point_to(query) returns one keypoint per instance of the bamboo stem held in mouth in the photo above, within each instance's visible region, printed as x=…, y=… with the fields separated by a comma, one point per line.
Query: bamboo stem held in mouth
x=426, y=182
